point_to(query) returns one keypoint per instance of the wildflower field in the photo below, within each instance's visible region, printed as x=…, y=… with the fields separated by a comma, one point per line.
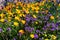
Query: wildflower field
x=31, y=21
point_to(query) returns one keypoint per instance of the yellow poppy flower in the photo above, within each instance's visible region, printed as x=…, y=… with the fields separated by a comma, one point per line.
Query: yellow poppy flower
x=52, y=17
x=9, y=13
x=53, y=37
x=13, y=5
x=4, y=9
x=2, y=15
x=46, y=11
x=36, y=3
x=17, y=18
x=8, y=3
x=16, y=23
x=33, y=8
x=23, y=21
x=2, y=20
x=16, y=7
x=24, y=15
x=37, y=8
x=9, y=19
x=18, y=11
x=32, y=5
x=46, y=39
x=34, y=16
x=42, y=3
x=20, y=14
x=59, y=4
x=27, y=11
x=7, y=7
x=23, y=8
x=36, y=11
x=45, y=35
x=28, y=5
x=19, y=2
x=32, y=35
x=36, y=22
x=21, y=31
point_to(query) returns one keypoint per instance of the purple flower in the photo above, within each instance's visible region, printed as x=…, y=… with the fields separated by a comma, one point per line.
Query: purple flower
x=14, y=38
x=9, y=0
x=53, y=25
x=26, y=25
x=41, y=32
x=57, y=28
x=44, y=28
x=30, y=19
x=29, y=29
x=5, y=20
x=40, y=39
x=26, y=28
x=37, y=31
x=35, y=36
x=8, y=29
x=33, y=19
x=52, y=29
x=28, y=15
x=49, y=14
x=56, y=25
x=48, y=24
x=32, y=28
x=46, y=17
x=27, y=19
x=57, y=1
x=0, y=30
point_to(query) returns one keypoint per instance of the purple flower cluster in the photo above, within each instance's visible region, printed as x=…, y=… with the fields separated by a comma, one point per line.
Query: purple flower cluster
x=29, y=18
x=29, y=29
